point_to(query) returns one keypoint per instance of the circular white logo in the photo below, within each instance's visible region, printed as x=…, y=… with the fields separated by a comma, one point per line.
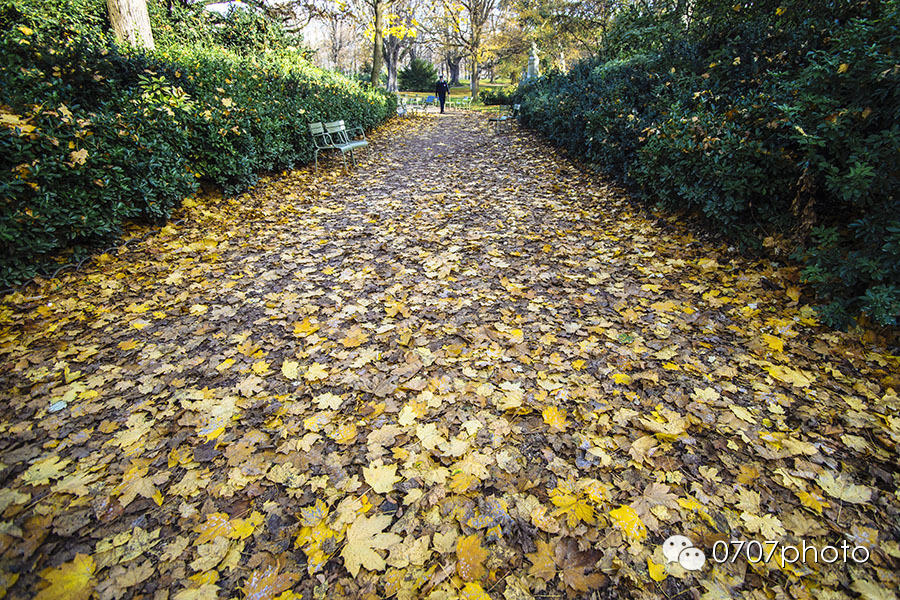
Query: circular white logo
x=680, y=549
x=692, y=559
x=673, y=546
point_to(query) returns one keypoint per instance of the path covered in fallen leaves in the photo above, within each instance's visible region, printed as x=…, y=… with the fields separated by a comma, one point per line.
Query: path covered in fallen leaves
x=467, y=369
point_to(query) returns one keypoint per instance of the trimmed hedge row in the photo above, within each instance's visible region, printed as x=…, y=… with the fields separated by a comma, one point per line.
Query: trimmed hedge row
x=771, y=120
x=91, y=136
x=493, y=96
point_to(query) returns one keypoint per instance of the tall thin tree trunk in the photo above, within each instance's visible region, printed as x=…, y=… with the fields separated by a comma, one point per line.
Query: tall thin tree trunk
x=453, y=68
x=473, y=84
x=391, y=59
x=379, y=35
x=131, y=22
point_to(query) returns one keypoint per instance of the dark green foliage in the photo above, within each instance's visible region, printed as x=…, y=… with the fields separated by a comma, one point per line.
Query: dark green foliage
x=91, y=137
x=418, y=76
x=494, y=95
x=770, y=120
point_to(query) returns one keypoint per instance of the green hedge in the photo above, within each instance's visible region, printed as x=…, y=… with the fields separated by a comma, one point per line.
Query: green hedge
x=493, y=96
x=769, y=119
x=91, y=136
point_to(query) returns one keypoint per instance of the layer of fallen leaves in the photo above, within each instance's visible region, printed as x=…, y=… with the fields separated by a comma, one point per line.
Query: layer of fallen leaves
x=466, y=370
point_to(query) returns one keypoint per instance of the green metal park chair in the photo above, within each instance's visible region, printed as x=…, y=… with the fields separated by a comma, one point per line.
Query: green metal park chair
x=336, y=136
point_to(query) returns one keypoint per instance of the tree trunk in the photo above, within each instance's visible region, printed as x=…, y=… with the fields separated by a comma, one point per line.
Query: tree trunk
x=453, y=67
x=475, y=47
x=391, y=76
x=337, y=43
x=391, y=59
x=378, y=5
x=131, y=22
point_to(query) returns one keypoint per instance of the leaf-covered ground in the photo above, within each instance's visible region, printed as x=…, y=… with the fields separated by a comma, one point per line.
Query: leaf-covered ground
x=465, y=370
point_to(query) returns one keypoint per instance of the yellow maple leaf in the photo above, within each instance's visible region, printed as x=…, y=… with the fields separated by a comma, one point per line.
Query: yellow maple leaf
x=78, y=157
x=706, y=394
x=203, y=591
x=260, y=367
x=290, y=369
x=73, y=580
x=743, y=414
x=470, y=558
x=462, y=482
x=473, y=591
x=355, y=337
x=345, y=434
x=305, y=327
x=42, y=471
x=692, y=504
x=842, y=488
x=217, y=525
x=657, y=571
x=555, y=418
x=264, y=584
x=812, y=501
x=843, y=68
x=429, y=437
x=794, y=377
x=621, y=378
x=382, y=478
x=775, y=343
x=136, y=482
x=629, y=522
x=244, y=528
x=767, y=525
x=394, y=307
x=364, y=538
x=543, y=564
x=574, y=507
x=318, y=421
x=224, y=365
x=316, y=372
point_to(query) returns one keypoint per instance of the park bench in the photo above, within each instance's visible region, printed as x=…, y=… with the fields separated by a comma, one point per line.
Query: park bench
x=413, y=104
x=404, y=109
x=465, y=102
x=336, y=136
x=505, y=114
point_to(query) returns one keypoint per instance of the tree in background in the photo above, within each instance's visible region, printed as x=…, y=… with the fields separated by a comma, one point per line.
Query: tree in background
x=419, y=76
x=339, y=22
x=452, y=60
x=378, y=9
x=468, y=21
x=567, y=29
x=399, y=35
x=507, y=46
x=131, y=22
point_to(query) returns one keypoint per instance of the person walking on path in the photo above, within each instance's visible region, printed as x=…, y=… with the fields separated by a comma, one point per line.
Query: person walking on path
x=440, y=90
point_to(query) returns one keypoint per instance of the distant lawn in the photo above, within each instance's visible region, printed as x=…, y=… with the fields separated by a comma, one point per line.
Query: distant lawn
x=462, y=91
